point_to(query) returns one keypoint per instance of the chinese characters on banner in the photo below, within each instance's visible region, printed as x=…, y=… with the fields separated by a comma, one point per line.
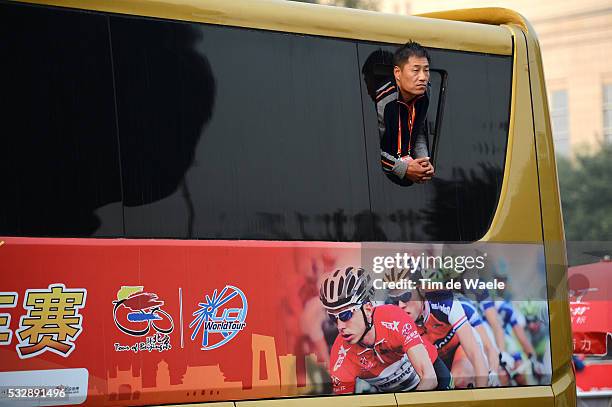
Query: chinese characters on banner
x=51, y=323
x=584, y=341
x=7, y=300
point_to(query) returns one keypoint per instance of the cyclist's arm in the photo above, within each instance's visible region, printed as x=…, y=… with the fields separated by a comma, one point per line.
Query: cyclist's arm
x=419, y=358
x=491, y=349
x=519, y=331
x=472, y=350
x=498, y=331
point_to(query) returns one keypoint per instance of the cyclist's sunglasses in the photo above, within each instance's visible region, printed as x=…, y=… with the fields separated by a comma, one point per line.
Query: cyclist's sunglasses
x=405, y=297
x=342, y=316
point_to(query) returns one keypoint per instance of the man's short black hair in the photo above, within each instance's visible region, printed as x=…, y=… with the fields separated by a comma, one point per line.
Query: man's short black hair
x=410, y=49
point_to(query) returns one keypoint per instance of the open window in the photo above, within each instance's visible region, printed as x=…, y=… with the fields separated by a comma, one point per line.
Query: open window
x=377, y=71
x=467, y=127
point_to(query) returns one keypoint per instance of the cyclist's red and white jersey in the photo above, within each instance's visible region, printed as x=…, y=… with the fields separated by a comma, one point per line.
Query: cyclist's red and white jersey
x=384, y=366
x=442, y=316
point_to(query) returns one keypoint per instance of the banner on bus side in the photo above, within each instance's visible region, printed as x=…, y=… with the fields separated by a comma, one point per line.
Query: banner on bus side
x=154, y=322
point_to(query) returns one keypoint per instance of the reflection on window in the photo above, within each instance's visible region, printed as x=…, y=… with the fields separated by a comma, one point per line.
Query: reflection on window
x=607, y=113
x=560, y=121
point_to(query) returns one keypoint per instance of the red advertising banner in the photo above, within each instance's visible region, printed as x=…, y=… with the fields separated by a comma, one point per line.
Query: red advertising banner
x=140, y=322
x=589, y=296
x=136, y=317
x=595, y=377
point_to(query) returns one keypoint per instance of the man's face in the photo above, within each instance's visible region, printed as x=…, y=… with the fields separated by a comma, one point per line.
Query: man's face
x=534, y=326
x=412, y=308
x=412, y=78
x=352, y=329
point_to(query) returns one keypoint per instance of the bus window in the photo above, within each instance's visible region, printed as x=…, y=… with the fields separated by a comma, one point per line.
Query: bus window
x=377, y=71
x=282, y=156
x=166, y=94
x=459, y=202
x=59, y=155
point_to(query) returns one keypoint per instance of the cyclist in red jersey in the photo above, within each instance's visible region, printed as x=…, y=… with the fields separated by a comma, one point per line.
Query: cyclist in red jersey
x=440, y=318
x=377, y=346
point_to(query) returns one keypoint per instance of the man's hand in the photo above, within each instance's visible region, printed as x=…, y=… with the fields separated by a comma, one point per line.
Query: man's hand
x=419, y=170
x=536, y=365
x=493, y=379
x=506, y=360
x=429, y=173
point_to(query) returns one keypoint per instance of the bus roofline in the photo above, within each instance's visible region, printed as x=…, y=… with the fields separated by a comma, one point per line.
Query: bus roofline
x=310, y=19
x=482, y=15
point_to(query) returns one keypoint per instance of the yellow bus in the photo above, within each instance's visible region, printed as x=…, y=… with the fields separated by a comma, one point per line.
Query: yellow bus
x=192, y=188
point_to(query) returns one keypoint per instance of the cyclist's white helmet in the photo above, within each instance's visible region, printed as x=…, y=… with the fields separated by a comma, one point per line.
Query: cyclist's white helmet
x=344, y=287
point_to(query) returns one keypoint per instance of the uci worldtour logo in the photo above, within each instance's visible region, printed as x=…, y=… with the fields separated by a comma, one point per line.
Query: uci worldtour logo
x=220, y=318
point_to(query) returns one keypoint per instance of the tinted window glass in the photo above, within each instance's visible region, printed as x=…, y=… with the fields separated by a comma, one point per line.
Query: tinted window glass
x=230, y=133
x=239, y=134
x=58, y=160
x=459, y=202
